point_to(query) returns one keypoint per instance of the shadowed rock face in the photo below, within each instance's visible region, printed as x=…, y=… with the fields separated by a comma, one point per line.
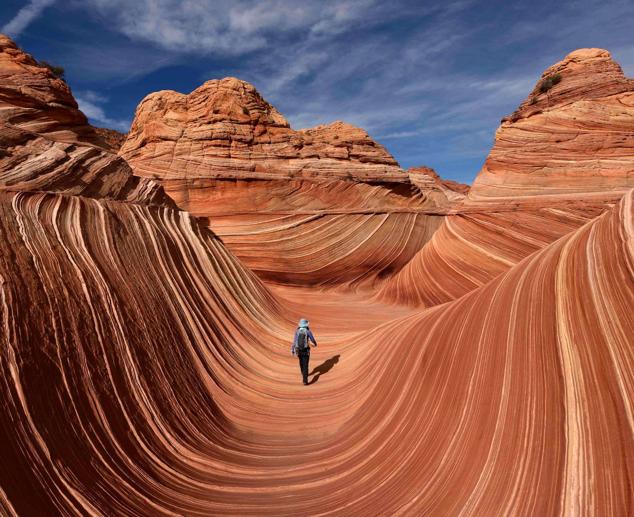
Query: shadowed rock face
x=144, y=370
x=46, y=143
x=114, y=139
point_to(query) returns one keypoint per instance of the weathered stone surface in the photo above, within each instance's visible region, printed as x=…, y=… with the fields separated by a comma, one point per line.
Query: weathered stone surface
x=46, y=143
x=151, y=330
x=225, y=129
x=577, y=137
x=226, y=155
x=145, y=371
x=556, y=164
x=429, y=183
x=113, y=139
x=32, y=98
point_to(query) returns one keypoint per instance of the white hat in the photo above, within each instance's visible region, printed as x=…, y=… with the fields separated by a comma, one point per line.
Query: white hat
x=303, y=323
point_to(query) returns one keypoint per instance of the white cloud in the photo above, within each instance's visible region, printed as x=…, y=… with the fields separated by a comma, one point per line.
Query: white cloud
x=225, y=27
x=399, y=134
x=359, y=79
x=88, y=96
x=24, y=17
x=90, y=104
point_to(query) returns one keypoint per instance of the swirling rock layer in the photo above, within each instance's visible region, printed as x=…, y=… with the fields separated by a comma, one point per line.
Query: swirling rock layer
x=562, y=158
x=148, y=353
x=307, y=233
x=29, y=161
x=144, y=370
x=481, y=241
x=326, y=205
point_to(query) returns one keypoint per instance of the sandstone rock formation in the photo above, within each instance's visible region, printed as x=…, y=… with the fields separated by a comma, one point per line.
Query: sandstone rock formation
x=46, y=143
x=32, y=98
x=144, y=370
x=113, y=139
x=225, y=129
x=561, y=159
x=33, y=162
x=576, y=137
x=428, y=181
x=225, y=154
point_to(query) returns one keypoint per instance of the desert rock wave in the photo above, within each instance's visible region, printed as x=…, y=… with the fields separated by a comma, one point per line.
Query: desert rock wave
x=145, y=369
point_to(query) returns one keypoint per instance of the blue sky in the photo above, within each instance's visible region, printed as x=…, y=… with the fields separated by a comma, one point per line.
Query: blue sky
x=428, y=80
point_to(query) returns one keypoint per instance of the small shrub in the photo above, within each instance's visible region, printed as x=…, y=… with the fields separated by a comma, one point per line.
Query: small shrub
x=513, y=117
x=245, y=110
x=58, y=71
x=533, y=100
x=548, y=82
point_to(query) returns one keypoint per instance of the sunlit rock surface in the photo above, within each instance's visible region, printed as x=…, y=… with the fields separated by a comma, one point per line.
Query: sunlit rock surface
x=46, y=143
x=428, y=181
x=576, y=137
x=146, y=371
x=322, y=206
x=562, y=158
x=225, y=129
x=32, y=98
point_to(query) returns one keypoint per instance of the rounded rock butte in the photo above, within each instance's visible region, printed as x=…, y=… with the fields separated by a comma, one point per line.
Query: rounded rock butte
x=322, y=206
x=481, y=348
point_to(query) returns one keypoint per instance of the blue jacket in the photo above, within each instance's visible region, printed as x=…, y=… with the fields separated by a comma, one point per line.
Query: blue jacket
x=310, y=337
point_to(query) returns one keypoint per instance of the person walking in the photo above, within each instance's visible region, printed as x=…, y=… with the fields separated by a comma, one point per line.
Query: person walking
x=301, y=347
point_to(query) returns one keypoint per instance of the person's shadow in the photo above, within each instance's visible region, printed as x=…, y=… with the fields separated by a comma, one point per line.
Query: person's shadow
x=323, y=368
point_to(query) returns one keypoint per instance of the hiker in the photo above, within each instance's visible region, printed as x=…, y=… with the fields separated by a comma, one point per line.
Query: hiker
x=301, y=347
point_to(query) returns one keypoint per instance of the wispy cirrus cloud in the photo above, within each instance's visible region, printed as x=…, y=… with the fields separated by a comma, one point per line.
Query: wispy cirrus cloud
x=360, y=79
x=24, y=17
x=92, y=105
x=227, y=27
x=318, y=61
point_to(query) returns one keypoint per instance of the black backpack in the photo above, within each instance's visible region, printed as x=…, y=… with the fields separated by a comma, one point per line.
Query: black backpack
x=302, y=340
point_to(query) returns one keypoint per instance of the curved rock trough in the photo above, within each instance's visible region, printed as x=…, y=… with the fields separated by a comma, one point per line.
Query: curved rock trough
x=476, y=348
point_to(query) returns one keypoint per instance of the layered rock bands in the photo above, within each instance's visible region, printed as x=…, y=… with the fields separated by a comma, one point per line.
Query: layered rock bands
x=486, y=367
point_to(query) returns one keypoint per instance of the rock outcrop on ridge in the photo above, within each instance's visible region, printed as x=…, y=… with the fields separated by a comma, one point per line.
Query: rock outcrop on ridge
x=577, y=137
x=225, y=129
x=565, y=156
x=33, y=99
x=226, y=155
x=144, y=370
x=46, y=143
x=428, y=181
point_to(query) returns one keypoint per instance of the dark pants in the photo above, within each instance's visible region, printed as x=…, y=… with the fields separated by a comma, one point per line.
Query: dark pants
x=303, y=364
